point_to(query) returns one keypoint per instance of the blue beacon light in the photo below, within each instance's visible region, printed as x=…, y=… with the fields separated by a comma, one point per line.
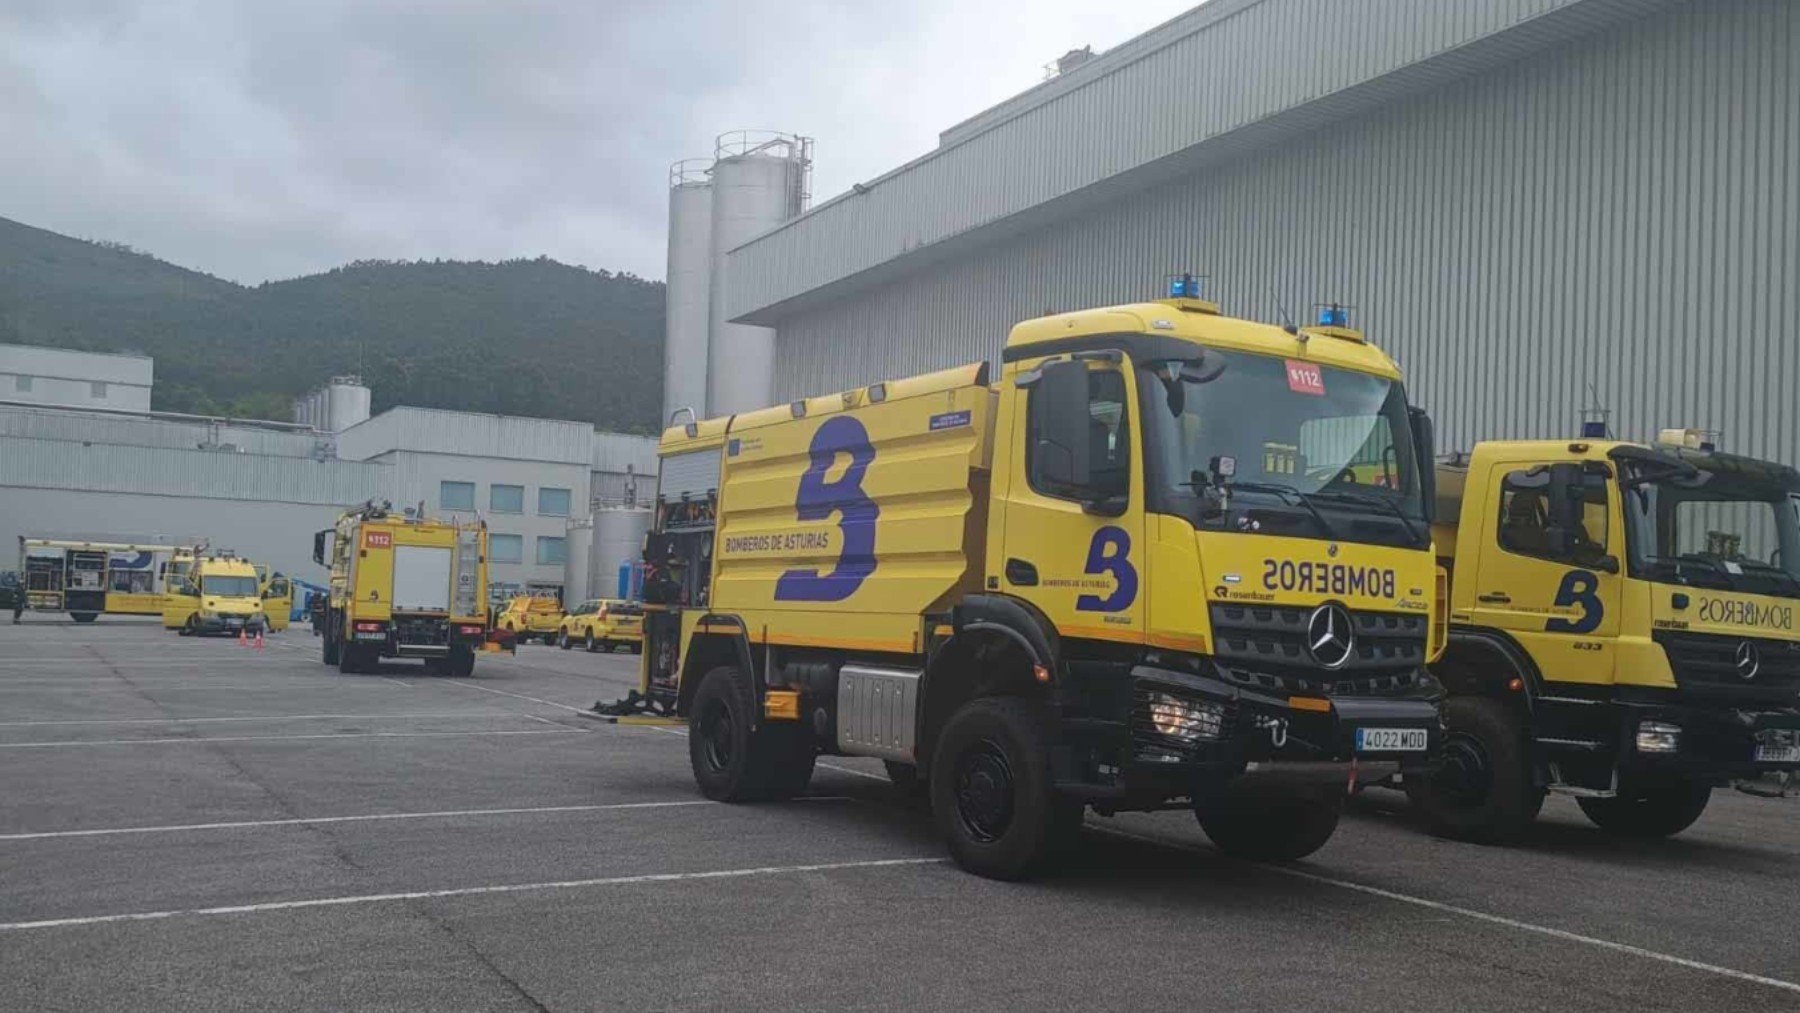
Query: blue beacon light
x=1184, y=286
x=1334, y=316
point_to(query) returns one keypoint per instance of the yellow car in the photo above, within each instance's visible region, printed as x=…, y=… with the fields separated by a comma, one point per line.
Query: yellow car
x=601, y=624
x=526, y=617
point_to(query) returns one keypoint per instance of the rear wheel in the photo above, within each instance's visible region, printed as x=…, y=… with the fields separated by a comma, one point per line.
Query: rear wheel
x=1481, y=788
x=1660, y=808
x=1262, y=826
x=733, y=760
x=990, y=789
x=353, y=659
x=562, y=640
x=329, y=647
x=84, y=617
x=461, y=662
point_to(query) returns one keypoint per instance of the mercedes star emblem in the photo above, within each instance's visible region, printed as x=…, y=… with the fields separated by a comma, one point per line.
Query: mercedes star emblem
x=1330, y=635
x=1749, y=660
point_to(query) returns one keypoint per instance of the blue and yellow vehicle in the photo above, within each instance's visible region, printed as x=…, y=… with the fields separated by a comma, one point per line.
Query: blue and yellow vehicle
x=1146, y=566
x=1622, y=630
x=89, y=578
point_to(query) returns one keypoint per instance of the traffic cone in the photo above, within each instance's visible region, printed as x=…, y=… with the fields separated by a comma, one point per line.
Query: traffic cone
x=259, y=640
x=241, y=641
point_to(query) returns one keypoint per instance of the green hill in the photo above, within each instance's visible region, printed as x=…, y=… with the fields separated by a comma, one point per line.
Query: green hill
x=521, y=337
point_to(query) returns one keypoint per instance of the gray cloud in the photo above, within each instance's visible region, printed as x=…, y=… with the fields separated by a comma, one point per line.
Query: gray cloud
x=264, y=140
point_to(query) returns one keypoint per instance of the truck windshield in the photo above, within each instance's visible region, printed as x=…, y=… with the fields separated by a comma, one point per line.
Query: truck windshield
x=229, y=587
x=1713, y=529
x=1311, y=450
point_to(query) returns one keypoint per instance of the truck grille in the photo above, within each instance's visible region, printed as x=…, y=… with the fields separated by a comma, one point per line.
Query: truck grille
x=1706, y=664
x=1275, y=637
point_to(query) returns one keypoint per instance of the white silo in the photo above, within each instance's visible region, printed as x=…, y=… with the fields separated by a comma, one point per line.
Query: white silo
x=760, y=179
x=577, y=565
x=346, y=403
x=687, y=299
x=618, y=541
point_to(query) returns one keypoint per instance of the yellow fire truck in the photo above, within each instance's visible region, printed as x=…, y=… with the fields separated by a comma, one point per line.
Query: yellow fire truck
x=1169, y=559
x=86, y=578
x=1622, y=631
x=403, y=586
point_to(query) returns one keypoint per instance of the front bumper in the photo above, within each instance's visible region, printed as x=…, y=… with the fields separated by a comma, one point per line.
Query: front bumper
x=1715, y=744
x=230, y=624
x=1111, y=753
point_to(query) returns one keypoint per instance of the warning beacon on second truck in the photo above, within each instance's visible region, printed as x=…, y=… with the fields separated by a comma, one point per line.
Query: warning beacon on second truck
x=1169, y=559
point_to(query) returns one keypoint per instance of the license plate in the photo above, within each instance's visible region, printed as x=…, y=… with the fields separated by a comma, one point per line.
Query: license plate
x=1778, y=754
x=234, y=622
x=1390, y=740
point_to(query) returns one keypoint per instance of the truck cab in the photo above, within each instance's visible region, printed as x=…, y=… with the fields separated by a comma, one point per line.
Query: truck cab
x=1165, y=559
x=215, y=594
x=1622, y=631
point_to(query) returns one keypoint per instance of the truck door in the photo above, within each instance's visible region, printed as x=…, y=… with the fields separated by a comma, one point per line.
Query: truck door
x=1548, y=573
x=278, y=602
x=1073, y=537
x=181, y=601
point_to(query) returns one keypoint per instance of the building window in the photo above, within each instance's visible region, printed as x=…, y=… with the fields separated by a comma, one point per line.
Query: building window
x=551, y=550
x=506, y=499
x=506, y=548
x=553, y=503
x=22, y=383
x=456, y=495
x=97, y=388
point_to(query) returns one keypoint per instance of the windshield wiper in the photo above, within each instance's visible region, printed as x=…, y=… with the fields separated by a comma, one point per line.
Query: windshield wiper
x=1377, y=500
x=1288, y=493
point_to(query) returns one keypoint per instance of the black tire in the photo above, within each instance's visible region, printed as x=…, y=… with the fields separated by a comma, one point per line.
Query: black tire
x=353, y=659
x=562, y=640
x=637, y=647
x=192, y=627
x=1481, y=788
x=904, y=777
x=1661, y=808
x=732, y=760
x=84, y=617
x=329, y=648
x=591, y=644
x=1266, y=826
x=461, y=662
x=990, y=788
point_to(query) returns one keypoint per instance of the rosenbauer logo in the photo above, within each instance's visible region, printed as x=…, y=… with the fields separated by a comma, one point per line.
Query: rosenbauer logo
x=378, y=539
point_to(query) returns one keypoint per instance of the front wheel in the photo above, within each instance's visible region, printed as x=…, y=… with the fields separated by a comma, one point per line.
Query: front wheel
x=562, y=640
x=1264, y=827
x=1661, y=808
x=990, y=788
x=1481, y=787
x=461, y=662
x=590, y=643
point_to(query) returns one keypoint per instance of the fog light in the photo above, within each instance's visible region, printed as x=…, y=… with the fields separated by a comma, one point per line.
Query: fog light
x=1186, y=720
x=1658, y=737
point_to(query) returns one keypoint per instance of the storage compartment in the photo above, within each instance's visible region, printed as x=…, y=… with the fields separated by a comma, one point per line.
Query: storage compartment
x=421, y=578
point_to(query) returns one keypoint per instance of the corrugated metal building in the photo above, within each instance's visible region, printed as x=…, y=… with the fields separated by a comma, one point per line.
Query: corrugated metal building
x=1520, y=198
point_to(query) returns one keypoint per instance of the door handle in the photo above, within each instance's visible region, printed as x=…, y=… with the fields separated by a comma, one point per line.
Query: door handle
x=1020, y=573
x=1494, y=598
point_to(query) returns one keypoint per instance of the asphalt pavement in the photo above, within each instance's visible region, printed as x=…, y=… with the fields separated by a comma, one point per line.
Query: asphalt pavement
x=195, y=825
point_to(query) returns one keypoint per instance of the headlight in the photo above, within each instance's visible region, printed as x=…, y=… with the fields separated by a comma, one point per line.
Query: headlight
x=1187, y=720
x=1658, y=737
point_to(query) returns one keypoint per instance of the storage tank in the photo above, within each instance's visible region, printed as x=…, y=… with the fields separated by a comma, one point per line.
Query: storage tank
x=618, y=538
x=346, y=403
x=577, y=564
x=760, y=179
x=687, y=297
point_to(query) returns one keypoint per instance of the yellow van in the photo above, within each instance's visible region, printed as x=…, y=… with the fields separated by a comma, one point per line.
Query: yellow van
x=217, y=594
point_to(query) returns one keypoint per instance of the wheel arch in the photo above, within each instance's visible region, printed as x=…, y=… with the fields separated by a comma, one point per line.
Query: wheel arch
x=998, y=646
x=1483, y=662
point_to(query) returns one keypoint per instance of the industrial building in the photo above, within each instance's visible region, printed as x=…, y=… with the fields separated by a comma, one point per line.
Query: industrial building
x=1537, y=206
x=559, y=497
x=32, y=374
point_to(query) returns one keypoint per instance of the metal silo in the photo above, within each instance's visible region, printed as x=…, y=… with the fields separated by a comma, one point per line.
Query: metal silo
x=346, y=403
x=618, y=540
x=688, y=295
x=578, y=584
x=760, y=180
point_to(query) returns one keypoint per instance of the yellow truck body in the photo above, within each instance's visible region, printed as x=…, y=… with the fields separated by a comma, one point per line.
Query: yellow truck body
x=1122, y=543
x=403, y=586
x=1622, y=630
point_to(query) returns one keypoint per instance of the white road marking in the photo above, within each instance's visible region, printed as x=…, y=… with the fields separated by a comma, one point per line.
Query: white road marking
x=520, y=696
x=467, y=891
x=276, y=738
x=378, y=817
x=847, y=770
x=271, y=717
x=1492, y=919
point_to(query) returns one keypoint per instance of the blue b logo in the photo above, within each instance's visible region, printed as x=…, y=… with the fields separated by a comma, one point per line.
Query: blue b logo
x=818, y=499
x=1110, y=552
x=1579, y=587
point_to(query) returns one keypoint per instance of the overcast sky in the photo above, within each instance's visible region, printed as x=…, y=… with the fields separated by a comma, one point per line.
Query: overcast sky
x=260, y=139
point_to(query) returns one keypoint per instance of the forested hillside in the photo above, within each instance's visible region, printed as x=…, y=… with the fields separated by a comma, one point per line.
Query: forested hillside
x=521, y=337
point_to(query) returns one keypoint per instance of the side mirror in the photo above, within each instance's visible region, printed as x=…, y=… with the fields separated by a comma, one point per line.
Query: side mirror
x=1607, y=564
x=319, y=546
x=1565, y=509
x=1060, y=401
x=1425, y=443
